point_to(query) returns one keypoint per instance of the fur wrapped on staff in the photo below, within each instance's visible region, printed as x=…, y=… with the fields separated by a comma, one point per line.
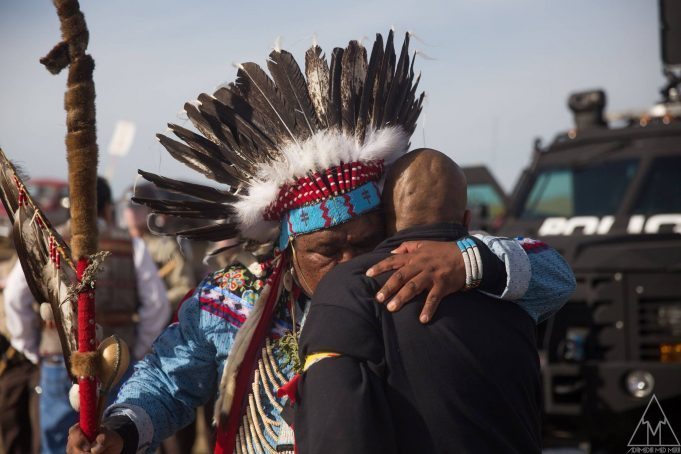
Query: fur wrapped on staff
x=81, y=154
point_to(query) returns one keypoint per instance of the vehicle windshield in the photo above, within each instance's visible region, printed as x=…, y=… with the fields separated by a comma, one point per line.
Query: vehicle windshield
x=596, y=190
x=485, y=195
x=662, y=189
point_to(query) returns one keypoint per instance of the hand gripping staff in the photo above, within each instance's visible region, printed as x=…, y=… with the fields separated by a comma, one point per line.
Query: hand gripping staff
x=61, y=277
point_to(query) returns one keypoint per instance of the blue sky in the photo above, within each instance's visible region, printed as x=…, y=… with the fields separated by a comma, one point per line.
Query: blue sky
x=497, y=74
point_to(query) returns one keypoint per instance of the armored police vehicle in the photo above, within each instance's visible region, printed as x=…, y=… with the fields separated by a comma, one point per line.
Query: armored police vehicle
x=609, y=199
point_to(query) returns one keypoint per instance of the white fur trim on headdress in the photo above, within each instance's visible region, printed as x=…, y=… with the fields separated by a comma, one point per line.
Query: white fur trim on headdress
x=322, y=151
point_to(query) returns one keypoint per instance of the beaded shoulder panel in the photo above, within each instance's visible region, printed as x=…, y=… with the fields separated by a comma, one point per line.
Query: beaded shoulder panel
x=231, y=293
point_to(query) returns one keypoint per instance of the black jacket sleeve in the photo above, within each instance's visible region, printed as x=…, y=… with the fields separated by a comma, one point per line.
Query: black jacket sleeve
x=342, y=405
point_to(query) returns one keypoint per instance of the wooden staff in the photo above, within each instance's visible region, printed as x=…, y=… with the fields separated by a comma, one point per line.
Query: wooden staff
x=81, y=155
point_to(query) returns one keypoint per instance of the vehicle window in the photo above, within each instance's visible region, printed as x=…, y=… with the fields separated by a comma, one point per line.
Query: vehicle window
x=44, y=195
x=662, y=190
x=596, y=190
x=485, y=194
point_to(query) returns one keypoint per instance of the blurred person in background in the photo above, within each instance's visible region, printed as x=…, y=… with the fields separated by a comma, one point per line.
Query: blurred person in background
x=173, y=267
x=19, y=377
x=131, y=302
x=176, y=271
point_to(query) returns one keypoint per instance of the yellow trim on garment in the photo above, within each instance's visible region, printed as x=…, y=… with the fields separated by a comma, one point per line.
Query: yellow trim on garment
x=316, y=357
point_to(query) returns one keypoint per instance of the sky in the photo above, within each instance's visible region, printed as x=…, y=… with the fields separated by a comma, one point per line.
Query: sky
x=497, y=73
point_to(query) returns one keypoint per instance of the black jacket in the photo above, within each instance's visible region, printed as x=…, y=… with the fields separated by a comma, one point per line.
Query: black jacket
x=468, y=381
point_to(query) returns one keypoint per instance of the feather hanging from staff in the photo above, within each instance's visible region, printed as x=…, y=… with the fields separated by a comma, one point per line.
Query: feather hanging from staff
x=43, y=254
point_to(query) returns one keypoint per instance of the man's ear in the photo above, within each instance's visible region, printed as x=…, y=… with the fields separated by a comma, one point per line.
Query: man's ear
x=467, y=215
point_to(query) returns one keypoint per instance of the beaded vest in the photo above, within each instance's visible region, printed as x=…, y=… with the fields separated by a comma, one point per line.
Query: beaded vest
x=262, y=428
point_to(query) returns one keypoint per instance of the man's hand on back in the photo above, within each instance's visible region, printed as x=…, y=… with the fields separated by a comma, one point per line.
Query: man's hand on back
x=434, y=266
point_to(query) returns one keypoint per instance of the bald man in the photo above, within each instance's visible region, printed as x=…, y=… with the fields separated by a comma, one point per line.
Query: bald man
x=381, y=381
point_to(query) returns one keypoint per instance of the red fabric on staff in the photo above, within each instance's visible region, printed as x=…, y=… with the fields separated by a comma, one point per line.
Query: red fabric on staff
x=86, y=343
x=226, y=434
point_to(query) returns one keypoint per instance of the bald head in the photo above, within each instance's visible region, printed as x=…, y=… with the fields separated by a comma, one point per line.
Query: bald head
x=424, y=187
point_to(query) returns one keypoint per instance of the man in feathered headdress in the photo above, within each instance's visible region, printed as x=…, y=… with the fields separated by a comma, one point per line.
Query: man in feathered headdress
x=303, y=156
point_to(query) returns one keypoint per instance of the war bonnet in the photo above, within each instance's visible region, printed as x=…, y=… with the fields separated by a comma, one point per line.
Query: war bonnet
x=297, y=152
